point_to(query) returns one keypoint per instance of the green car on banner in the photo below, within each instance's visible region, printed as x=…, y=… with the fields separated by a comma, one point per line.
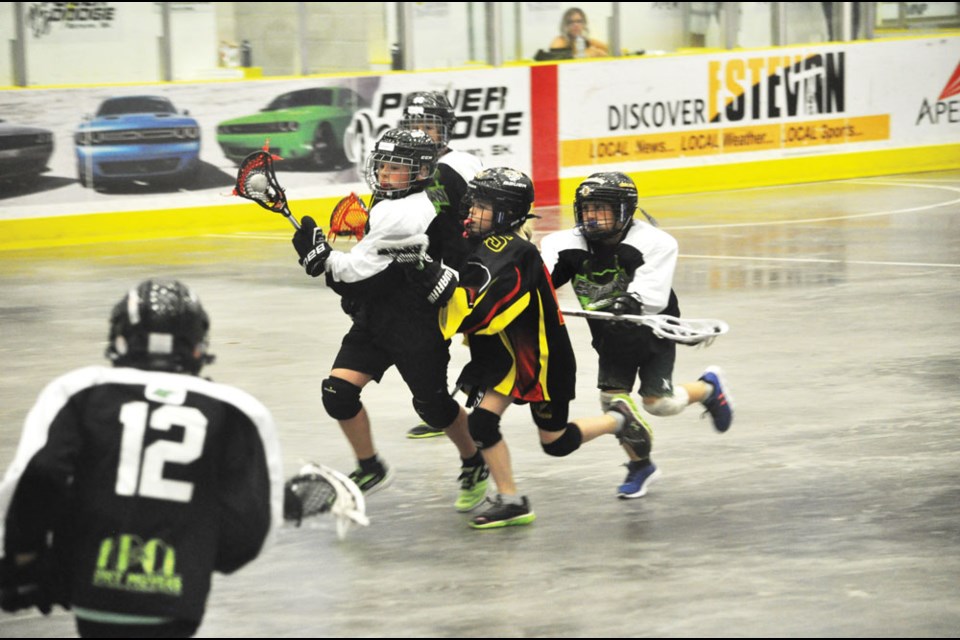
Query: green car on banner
x=306, y=125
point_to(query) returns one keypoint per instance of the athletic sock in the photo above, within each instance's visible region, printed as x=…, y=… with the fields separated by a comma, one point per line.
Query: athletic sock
x=620, y=418
x=474, y=461
x=370, y=465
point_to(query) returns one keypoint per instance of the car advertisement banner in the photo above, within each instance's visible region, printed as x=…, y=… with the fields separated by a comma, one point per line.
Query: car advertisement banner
x=68, y=151
x=177, y=146
x=662, y=113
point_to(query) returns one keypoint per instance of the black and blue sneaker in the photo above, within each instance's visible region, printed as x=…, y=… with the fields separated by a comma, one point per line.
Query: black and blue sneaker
x=640, y=475
x=719, y=405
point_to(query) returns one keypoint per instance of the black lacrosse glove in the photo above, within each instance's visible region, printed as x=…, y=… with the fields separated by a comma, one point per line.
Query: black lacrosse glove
x=312, y=246
x=37, y=583
x=628, y=304
x=437, y=281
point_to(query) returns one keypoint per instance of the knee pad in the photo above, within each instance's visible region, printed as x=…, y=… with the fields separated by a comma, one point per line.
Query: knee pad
x=341, y=399
x=550, y=415
x=668, y=405
x=566, y=444
x=439, y=411
x=484, y=428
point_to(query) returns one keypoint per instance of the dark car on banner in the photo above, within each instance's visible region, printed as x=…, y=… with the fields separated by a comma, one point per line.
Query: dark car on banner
x=137, y=138
x=24, y=152
x=305, y=125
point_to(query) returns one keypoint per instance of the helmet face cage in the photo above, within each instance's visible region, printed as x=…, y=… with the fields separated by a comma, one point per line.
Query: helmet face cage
x=508, y=192
x=611, y=188
x=402, y=162
x=159, y=326
x=430, y=109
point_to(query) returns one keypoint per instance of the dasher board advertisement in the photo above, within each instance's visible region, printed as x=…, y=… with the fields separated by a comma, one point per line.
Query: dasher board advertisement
x=714, y=109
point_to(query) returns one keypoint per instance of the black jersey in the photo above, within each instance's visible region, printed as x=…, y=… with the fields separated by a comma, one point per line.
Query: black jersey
x=150, y=481
x=507, y=308
x=447, y=243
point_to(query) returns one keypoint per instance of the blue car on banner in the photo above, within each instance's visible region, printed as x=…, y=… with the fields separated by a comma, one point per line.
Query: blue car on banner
x=137, y=138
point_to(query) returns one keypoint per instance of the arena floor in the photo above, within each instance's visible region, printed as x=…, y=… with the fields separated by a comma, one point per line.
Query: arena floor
x=830, y=509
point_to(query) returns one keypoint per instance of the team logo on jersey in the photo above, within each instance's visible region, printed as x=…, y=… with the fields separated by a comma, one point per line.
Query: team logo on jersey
x=596, y=289
x=497, y=243
x=165, y=395
x=127, y=563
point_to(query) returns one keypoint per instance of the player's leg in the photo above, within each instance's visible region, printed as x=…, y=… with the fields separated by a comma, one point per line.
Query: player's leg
x=660, y=398
x=357, y=363
x=616, y=377
x=425, y=373
x=508, y=508
x=717, y=400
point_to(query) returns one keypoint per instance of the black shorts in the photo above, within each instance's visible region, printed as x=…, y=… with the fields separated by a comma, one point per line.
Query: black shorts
x=418, y=351
x=625, y=357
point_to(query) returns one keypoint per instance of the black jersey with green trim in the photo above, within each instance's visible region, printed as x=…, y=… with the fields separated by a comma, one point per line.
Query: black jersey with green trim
x=506, y=306
x=150, y=481
x=447, y=242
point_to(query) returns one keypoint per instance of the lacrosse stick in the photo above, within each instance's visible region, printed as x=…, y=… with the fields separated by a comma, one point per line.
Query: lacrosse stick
x=257, y=181
x=318, y=489
x=683, y=330
x=349, y=218
x=412, y=250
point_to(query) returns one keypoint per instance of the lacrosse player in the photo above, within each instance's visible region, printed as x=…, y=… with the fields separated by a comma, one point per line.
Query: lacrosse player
x=430, y=111
x=625, y=266
x=132, y=484
x=394, y=323
x=520, y=352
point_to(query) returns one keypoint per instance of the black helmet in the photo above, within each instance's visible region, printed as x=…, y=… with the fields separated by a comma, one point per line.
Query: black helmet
x=510, y=192
x=430, y=108
x=412, y=149
x=612, y=188
x=159, y=326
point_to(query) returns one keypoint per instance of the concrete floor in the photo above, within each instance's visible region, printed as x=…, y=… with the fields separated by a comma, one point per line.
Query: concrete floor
x=830, y=509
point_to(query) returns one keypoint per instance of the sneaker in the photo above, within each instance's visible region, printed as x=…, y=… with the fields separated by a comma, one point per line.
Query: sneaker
x=640, y=475
x=719, y=405
x=423, y=430
x=636, y=433
x=371, y=482
x=473, y=487
x=499, y=514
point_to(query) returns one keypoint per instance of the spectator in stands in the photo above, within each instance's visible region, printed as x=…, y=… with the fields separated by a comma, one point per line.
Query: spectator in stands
x=574, y=35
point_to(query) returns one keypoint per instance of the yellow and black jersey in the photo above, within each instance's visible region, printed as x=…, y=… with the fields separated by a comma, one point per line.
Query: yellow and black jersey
x=507, y=307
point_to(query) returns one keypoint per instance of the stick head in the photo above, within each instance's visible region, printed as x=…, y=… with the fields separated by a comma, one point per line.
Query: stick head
x=257, y=181
x=693, y=333
x=319, y=489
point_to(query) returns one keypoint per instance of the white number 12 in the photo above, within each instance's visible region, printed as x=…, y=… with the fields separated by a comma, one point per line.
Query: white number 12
x=147, y=479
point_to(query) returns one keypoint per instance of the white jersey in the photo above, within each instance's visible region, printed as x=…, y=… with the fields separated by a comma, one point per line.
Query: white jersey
x=389, y=220
x=465, y=164
x=646, y=259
